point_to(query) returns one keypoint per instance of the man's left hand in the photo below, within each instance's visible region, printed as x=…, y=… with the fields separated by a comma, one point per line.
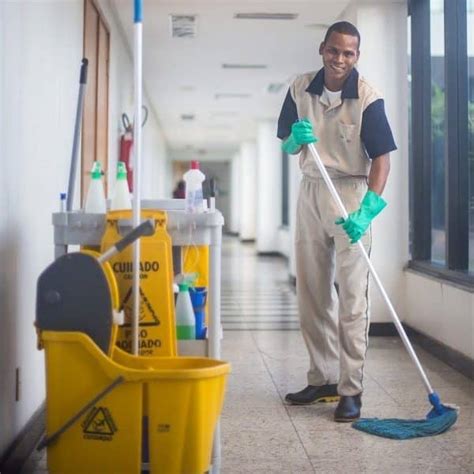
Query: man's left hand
x=358, y=221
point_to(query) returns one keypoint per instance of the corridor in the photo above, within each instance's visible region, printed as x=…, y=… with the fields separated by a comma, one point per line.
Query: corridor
x=262, y=435
x=264, y=346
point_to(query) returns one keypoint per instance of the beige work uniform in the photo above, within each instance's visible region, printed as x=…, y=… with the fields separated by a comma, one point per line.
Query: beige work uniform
x=334, y=323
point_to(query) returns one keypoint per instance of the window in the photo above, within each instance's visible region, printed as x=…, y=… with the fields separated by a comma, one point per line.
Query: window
x=438, y=232
x=441, y=139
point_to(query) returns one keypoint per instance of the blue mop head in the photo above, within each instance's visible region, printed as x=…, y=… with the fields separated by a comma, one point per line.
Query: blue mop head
x=438, y=420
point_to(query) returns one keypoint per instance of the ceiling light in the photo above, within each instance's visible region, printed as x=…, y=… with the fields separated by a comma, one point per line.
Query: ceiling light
x=244, y=66
x=220, y=126
x=225, y=113
x=265, y=16
x=183, y=26
x=322, y=26
x=232, y=95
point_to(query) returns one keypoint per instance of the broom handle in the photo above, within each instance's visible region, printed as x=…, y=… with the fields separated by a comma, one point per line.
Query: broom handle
x=393, y=313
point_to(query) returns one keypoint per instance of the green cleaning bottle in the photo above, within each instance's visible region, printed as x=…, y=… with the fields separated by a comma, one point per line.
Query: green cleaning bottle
x=185, y=320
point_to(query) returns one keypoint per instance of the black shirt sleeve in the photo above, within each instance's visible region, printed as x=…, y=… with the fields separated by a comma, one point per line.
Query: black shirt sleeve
x=375, y=131
x=288, y=116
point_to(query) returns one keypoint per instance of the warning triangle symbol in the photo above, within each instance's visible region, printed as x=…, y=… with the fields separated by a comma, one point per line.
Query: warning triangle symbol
x=99, y=422
x=147, y=314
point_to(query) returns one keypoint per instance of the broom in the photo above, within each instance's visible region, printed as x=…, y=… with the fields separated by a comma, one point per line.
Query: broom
x=441, y=417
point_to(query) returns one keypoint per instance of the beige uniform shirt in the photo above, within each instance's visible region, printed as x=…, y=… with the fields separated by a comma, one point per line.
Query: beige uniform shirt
x=351, y=131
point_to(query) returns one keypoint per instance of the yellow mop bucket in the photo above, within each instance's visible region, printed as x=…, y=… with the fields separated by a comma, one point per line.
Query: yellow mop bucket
x=95, y=407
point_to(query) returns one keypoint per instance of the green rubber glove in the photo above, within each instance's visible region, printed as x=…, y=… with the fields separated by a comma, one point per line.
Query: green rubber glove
x=358, y=221
x=301, y=134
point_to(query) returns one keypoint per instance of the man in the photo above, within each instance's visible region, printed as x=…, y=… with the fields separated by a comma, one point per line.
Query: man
x=348, y=116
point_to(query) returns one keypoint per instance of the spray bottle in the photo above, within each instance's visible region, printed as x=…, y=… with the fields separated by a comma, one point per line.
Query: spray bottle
x=95, y=200
x=121, y=198
x=194, y=198
x=185, y=320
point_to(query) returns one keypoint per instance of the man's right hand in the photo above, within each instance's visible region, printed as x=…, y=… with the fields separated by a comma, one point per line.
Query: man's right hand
x=301, y=134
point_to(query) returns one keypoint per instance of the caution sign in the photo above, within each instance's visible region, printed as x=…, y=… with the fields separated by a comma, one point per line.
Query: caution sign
x=99, y=425
x=147, y=316
x=157, y=330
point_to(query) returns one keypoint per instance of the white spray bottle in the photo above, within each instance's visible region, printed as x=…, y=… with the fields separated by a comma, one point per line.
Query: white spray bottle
x=121, y=198
x=95, y=200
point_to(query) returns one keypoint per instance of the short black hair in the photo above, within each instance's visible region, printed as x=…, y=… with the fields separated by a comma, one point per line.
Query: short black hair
x=345, y=28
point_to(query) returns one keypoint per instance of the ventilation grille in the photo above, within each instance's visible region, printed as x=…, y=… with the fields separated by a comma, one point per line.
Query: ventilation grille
x=183, y=26
x=265, y=16
x=187, y=117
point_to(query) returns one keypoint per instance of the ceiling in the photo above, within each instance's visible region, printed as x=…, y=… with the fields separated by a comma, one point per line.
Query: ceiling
x=185, y=76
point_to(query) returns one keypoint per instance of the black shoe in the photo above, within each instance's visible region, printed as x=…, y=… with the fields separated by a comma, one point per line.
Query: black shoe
x=313, y=394
x=348, y=408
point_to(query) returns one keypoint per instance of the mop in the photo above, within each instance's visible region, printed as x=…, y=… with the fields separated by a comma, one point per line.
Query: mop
x=441, y=417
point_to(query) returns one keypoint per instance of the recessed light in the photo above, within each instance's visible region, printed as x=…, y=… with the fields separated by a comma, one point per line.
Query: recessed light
x=322, y=26
x=225, y=113
x=232, y=95
x=244, y=66
x=265, y=16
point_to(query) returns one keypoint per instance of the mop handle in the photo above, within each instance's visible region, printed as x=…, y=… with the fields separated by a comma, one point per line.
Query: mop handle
x=393, y=313
x=145, y=228
x=77, y=132
x=137, y=154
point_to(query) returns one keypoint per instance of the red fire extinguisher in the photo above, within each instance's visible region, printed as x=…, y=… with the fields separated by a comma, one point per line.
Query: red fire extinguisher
x=126, y=145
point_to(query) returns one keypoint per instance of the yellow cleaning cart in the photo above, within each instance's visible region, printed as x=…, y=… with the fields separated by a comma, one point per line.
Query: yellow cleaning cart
x=98, y=399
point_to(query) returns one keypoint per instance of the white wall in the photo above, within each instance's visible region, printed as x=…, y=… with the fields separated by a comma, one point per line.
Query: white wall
x=248, y=191
x=41, y=58
x=442, y=311
x=41, y=49
x=269, y=187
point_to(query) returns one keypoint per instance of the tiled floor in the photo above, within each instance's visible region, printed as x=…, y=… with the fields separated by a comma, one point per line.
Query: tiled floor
x=262, y=435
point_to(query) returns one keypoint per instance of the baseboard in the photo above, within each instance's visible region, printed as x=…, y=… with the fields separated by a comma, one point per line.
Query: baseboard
x=23, y=445
x=382, y=329
x=446, y=354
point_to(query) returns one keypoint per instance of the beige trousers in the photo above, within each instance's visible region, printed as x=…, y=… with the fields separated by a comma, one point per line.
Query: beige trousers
x=334, y=324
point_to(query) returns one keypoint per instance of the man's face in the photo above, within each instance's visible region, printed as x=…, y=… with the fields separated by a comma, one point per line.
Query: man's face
x=340, y=53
